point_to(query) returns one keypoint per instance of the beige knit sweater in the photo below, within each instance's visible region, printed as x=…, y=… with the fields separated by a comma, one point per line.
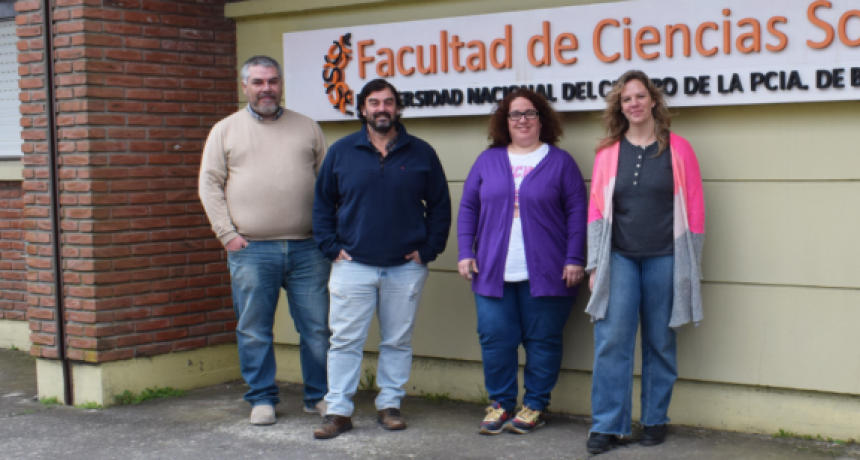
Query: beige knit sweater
x=257, y=177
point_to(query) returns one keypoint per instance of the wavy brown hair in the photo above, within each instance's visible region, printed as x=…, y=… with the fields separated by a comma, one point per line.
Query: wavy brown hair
x=616, y=124
x=550, y=122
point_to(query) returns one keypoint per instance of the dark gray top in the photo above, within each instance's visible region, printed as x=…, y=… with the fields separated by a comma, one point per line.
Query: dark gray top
x=643, y=202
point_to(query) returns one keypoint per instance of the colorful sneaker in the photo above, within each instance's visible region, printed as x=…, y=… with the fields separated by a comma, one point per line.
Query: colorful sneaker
x=526, y=421
x=495, y=420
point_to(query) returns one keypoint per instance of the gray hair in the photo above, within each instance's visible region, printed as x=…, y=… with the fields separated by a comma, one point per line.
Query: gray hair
x=262, y=61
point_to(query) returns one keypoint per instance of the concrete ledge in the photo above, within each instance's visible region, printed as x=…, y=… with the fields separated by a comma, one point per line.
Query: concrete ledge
x=739, y=408
x=699, y=404
x=11, y=169
x=101, y=383
x=15, y=334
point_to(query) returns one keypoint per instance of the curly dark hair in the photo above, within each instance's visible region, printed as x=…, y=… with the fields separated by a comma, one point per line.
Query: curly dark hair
x=371, y=87
x=550, y=122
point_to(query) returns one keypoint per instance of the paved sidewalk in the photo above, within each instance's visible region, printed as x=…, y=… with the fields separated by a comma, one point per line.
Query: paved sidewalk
x=211, y=424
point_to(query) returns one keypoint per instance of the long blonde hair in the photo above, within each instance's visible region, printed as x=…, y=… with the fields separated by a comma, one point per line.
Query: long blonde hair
x=616, y=124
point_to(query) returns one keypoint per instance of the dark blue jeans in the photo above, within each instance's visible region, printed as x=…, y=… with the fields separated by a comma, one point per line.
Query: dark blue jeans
x=535, y=322
x=640, y=293
x=258, y=272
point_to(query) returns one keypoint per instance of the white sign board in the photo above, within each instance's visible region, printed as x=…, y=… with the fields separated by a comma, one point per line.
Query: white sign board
x=703, y=53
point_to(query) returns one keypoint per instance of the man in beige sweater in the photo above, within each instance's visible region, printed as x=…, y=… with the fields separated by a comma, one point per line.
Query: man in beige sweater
x=257, y=180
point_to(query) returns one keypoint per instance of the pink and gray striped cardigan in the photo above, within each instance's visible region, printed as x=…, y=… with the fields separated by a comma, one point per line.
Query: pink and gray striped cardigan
x=689, y=231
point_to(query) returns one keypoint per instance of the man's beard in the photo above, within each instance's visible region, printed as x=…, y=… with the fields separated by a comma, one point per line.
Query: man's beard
x=266, y=108
x=381, y=123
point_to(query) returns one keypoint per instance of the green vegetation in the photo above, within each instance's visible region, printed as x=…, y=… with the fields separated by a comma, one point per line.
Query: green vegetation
x=52, y=401
x=483, y=398
x=89, y=405
x=13, y=348
x=26, y=412
x=127, y=397
x=436, y=397
x=783, y=434
x=368, y=382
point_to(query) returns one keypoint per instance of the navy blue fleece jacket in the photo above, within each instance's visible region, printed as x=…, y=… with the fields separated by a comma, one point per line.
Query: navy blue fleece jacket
x=378, y=212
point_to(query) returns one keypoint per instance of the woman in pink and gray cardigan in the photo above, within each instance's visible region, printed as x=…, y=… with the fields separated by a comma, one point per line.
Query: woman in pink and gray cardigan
x=646, y=226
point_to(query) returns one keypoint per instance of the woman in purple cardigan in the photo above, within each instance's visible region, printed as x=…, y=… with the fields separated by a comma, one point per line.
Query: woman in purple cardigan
x=521, y=234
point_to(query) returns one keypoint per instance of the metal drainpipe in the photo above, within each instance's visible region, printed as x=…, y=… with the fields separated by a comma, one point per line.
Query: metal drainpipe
x=54, y=174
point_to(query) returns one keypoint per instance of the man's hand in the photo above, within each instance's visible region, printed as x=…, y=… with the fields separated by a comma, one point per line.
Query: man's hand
x=591, y=279
x=236, y=244
x=413, y=256
x=572, y=275
x=466, y=267
x=342, y=256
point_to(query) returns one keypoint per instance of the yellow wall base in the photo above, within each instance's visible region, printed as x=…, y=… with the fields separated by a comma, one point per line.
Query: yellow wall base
x=101, y=383
x=14, y=334
x=717, y=406
x=11, y=170
x=49, y=379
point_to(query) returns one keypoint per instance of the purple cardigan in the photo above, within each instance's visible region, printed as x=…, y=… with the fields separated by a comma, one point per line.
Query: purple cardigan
x=553, y=209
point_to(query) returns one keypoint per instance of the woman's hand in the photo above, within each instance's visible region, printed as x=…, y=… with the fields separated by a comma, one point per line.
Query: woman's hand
x=467, y=267
x=591, y=279
x=572, y=275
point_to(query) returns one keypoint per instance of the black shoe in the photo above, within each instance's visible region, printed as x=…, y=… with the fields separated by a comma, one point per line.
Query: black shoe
x=653, y=435
x=599, y=443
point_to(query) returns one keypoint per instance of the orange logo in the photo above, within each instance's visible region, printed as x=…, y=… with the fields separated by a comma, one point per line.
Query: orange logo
x=339, y=94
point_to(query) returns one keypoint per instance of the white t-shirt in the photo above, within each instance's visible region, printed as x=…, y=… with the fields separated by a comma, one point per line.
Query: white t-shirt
x=521, y=166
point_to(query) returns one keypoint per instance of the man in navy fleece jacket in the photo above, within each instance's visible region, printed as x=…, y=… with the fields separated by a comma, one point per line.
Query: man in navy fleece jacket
x=381, y=212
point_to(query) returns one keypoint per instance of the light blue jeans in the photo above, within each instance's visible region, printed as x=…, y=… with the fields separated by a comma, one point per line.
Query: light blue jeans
x=357, y=290
x=257, y=273
x=640, y=288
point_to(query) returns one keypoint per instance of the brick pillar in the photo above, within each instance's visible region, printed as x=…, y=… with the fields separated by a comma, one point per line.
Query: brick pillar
x=13, y=272
x=139, y=85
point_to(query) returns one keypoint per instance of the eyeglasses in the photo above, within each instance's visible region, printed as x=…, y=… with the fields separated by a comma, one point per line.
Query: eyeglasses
x=529, y=114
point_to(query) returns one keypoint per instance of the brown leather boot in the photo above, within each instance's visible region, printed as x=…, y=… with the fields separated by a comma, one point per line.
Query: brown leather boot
x=391, y=420
x=333, y=426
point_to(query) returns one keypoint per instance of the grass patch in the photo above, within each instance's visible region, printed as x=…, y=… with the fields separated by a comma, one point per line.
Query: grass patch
x=784, y=434
x=368, y=381
x=52, y=401
x=483, y=398
x=14, y=348
x=127, y=397
x=26, y=412
x=89, y=405
x=436, y=398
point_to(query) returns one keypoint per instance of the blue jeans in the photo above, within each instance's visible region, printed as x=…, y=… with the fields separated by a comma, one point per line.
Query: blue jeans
x=357, y=290
x=258, y=272
x=518, y=318
x=640, y=287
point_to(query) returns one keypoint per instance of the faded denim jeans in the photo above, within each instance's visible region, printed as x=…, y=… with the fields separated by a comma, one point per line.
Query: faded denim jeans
x=357, y=291
x=258, y=272
x=640, y=289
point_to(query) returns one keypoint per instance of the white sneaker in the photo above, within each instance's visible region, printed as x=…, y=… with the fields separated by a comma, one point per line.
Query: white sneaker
x=318, y=408
x=263, y=414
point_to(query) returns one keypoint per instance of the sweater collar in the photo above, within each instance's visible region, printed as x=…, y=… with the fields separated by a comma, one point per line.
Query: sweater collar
x=258, y=117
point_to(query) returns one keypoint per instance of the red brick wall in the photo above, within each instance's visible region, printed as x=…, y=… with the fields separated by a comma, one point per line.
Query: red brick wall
x=139, y=85
x=13, y=272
